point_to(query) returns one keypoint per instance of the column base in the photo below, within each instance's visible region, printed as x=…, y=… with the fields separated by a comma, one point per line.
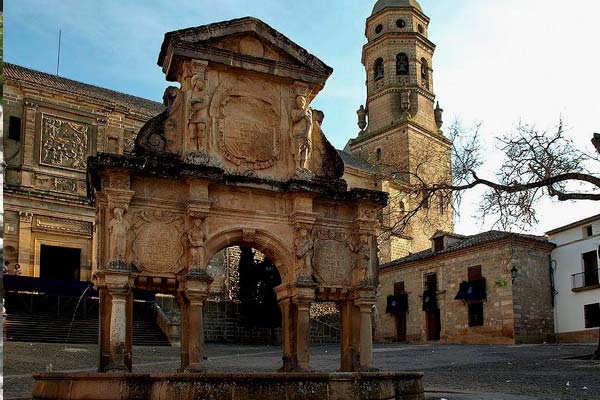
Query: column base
x=116, y=368
x=194, y=368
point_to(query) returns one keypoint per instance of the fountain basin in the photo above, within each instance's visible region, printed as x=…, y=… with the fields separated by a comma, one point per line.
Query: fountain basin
x=230, y=386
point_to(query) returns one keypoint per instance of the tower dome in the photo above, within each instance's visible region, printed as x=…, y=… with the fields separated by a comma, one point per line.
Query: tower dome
x=382, y=4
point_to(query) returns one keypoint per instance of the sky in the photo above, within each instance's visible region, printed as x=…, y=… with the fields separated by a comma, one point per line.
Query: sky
x=497, y=62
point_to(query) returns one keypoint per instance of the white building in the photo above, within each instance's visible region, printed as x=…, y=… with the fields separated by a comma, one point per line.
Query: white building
x=576, y=280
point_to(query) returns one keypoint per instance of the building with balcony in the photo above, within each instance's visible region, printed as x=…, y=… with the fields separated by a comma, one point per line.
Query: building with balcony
x=493, y=287
x=576, y=280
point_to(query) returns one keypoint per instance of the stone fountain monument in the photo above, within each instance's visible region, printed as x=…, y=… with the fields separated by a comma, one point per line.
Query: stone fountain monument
x=238, y=157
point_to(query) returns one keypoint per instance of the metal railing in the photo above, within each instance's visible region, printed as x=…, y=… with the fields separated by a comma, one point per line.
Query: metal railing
x=585, y=279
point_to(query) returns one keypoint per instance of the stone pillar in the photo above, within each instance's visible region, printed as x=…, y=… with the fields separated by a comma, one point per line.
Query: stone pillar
x=195, y=287
x=118, y=329
x=184, y=331
x=303, y=333
x=196, y=331
x=365, y=301
x=348, y=354
x=366, y=339
x=288, y=335
x=24, y=257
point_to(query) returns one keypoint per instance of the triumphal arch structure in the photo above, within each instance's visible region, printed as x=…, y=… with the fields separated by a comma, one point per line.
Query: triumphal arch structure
x=238, y=157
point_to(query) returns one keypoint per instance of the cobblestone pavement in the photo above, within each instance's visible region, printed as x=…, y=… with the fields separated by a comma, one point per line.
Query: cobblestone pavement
x=452, y=372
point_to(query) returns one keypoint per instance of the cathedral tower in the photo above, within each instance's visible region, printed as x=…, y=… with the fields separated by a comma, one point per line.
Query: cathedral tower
x=403, y=133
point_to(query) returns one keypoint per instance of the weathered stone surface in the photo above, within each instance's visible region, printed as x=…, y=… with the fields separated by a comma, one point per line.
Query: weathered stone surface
x=259, y=386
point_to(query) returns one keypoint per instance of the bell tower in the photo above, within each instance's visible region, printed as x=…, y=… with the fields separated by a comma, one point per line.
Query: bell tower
x=400, y=124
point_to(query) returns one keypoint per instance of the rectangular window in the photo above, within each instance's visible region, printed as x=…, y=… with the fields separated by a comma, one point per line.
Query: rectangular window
x=588, y=232
x=399, y=288
x=475, y=273
x=592, y=315
x=431, y=282
x=476, y=314
x=590, y=268
x=438, y=244
x=14, y=128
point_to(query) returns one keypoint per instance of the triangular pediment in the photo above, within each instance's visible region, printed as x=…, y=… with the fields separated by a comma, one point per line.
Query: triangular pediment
x=246, y=39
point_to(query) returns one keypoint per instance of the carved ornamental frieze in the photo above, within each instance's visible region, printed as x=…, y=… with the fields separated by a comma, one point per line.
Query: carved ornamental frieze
x=64, y=143
x=61, y=225
x=157, y=241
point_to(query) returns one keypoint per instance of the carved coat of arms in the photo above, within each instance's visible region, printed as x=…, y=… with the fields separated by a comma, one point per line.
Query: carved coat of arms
x=248, y=131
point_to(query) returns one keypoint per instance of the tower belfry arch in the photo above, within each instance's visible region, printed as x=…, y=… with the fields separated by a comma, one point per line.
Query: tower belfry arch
x=237, y=157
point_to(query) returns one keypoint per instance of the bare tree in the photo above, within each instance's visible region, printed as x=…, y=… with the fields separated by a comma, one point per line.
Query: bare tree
x=536, y=164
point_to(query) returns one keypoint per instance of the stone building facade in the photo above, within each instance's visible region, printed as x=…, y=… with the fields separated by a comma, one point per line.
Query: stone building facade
x=51, y=126
x=514, y=306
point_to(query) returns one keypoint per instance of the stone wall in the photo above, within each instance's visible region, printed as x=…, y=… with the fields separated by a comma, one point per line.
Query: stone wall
x=532, y=293
x=519, y=314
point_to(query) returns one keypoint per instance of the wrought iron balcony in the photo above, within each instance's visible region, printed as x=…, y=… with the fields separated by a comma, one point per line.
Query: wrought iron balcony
x=585, y=280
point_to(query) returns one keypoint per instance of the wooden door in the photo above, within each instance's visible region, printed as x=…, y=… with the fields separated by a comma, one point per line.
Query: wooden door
x=433, y=324
x=590, y=267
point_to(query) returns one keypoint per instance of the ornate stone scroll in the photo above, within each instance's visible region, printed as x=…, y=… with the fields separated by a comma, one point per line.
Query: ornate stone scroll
x=158, y=242
x=64, y=143
x=163, y=133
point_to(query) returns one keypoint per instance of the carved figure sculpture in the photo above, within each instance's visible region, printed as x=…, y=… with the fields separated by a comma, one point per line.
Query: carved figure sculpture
x=364, y=252
x=198, y=103
x=362, y=118
x=196, y=237
x=302, y=117
x=117, y=235
x=304, y=248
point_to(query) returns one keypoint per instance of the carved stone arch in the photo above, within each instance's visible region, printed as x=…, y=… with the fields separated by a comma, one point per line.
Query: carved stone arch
x=269, y=245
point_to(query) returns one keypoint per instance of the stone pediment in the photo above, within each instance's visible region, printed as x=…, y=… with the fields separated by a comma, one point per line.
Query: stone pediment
x=246, y=43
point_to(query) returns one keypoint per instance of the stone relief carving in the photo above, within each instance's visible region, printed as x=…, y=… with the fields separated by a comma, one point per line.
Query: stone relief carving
x=59, y=184
x=117, y=237
x=157, y=241
x=333, y=260
x=64, y=143
x=197, y=106
x=162, y=134
x=196, y=238
x=62, y=225
x=248, y=130
x=304, y=249
x=302, y=117
x=363, y=273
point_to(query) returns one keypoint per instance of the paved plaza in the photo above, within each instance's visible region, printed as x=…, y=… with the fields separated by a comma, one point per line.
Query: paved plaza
x=452, y=372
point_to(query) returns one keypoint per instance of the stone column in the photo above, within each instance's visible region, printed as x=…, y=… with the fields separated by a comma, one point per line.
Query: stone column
x=288, y=335
x=348, y=354
x=194, y=287
x=195, y=331
x=184, y=331
x=24, y=257
x=366, y=338
x=303, y=333
x=118, y=329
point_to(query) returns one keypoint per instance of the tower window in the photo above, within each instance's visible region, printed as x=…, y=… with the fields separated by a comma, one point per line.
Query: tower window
x=14, y=128
x=402, y=67
x=425, y=72
x=378, y=69
x=421, y=29
x=378, y=29
x=400, y=23
x=378, y=154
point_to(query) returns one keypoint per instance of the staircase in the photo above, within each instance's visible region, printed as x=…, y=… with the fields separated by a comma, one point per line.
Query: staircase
x=36, y=324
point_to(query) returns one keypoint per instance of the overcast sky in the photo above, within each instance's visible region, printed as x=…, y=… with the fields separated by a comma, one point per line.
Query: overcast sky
x=497, y=61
